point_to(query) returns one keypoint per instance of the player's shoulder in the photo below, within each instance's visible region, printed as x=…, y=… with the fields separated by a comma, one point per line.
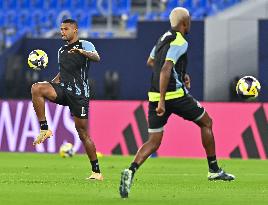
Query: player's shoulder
x=179, y=40
x=87, y=45
x=85, y=42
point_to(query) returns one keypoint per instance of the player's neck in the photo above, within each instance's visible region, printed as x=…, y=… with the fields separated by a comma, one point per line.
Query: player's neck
x=72, y=41
x=182, y=31
x=179, y=29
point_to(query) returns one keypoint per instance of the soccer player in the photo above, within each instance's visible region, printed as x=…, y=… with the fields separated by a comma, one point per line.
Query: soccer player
x=70, y=88
x=169, y=95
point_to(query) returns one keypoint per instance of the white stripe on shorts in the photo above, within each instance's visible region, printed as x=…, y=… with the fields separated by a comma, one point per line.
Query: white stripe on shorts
x=161, y=129
x=199, y=117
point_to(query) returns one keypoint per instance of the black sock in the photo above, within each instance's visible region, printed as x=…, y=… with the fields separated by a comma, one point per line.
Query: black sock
x=212, y=163
x=43, y=125
x=95, y=166
x=133, y=167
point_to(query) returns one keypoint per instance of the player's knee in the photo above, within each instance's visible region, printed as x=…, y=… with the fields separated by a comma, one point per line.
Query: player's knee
x=209, y=122
x=35, y=89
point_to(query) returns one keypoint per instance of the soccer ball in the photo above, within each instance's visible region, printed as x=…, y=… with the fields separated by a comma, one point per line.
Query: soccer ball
x=248, y=87
x=37, y=59
x=66, y=150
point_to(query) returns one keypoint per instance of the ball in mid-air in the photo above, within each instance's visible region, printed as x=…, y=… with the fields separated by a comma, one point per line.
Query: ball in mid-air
x=248, y=87
x=37, y=59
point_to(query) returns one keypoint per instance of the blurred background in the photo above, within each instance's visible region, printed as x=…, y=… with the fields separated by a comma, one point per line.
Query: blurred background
x=228, y=40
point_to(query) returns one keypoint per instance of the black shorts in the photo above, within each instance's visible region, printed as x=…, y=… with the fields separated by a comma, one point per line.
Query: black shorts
x=78, y=105
x=186, y=107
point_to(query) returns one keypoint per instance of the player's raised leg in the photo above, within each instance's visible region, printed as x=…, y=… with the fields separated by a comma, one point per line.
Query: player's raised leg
x=143, y=153
x=41, y=91
x=81, y=126
x=215, y=172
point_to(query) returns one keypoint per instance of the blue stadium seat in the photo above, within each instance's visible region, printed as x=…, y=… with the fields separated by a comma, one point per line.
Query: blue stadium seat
x=8, y=4
x=83, y=19
x=50, y=4
x=121, y=7
x=94, y=34
x=151, y=16
x=109, y=35
x=24, y=20
x=172, y=4
x=132, y=21
x=78, y=4
x=199, y=9
x=186, y=4
x=218, y=5
x=175, y=3
x=10, y=19
x=64, y=4
x=36, y=4
x=197, y=4
x=49, y=20
x=37, y=23
x=199, y=14
x=61, y=16
x=23, y=4
x=2, y=20
x=91, y=6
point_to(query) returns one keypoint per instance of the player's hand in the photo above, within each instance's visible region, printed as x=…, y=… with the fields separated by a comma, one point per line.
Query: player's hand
x=160, y=110
x=187, y=81
x=76, y=50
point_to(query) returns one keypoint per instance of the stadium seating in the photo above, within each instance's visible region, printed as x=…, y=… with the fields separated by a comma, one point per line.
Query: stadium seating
x=35, y=17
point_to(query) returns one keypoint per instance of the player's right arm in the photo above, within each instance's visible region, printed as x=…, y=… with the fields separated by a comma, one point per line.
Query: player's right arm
x=177, y=48
x=89, y=51
x=150, y=61
x=56, y=79
x=164, y=80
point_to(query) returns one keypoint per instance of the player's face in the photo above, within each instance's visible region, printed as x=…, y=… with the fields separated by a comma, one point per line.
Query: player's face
x=68, y=31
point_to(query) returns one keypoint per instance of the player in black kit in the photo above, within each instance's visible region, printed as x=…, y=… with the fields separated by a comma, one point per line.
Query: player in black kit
x=70, y=88
x=169, y=95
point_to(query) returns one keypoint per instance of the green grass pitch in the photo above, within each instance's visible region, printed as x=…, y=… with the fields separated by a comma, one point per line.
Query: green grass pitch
x=37, y=179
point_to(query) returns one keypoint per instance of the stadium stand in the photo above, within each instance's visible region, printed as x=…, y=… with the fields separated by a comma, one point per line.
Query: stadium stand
x=36, y=18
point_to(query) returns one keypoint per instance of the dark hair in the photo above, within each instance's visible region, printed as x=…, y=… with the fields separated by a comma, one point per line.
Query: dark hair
x=71, y=21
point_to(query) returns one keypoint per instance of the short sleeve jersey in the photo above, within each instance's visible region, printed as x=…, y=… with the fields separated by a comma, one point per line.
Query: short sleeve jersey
x=74, y=67
x=173, y=47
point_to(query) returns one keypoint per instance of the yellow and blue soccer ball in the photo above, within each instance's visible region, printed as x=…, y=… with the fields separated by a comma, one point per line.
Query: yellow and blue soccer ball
x=248, y=87
x=37, y=59
x=66, y=150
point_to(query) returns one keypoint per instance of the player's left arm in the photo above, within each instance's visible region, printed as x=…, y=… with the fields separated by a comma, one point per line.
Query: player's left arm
x=88, y=50
x=187, y=81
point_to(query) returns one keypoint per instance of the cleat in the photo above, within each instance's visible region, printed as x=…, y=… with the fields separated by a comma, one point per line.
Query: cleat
x=220, y=175
x=44, y=134
x=95, y=176
x=125, y=183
